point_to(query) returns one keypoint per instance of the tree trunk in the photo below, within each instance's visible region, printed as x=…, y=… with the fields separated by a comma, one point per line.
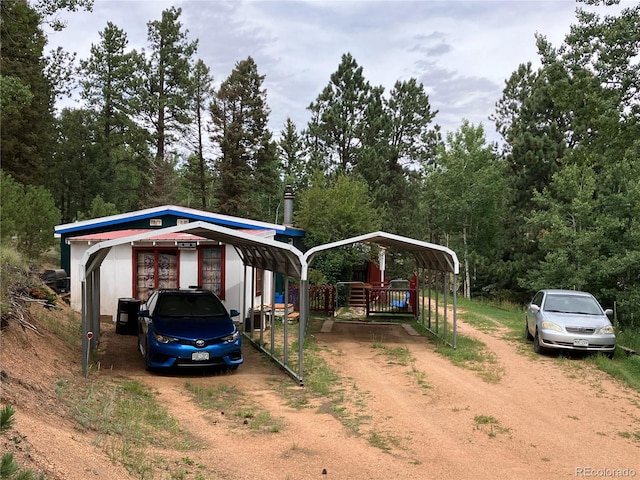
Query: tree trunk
x=467, y=276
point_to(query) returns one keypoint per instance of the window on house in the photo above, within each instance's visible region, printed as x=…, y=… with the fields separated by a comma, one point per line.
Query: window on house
x=155, y=269
x=212, y=269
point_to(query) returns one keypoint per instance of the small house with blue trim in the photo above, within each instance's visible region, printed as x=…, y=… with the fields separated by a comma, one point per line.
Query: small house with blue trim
x=177, y=260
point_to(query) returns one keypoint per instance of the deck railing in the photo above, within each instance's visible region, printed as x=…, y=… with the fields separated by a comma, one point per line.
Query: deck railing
x=322, y=299
x=390, y=300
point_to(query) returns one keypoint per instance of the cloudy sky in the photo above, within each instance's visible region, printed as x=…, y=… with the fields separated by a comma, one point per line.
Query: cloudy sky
x=461, y=51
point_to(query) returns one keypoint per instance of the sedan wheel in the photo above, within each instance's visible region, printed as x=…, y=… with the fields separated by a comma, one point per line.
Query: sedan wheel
x=536, y=344
x=527, y=333
x=140, y=346
x=145, y=352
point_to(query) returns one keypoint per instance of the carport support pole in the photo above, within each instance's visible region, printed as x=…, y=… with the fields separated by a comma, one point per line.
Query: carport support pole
x=455, y=308
x=304, y=318
x=285, y=317
x=90, y=317
x=246, y=314
x=430, y=281
x=85, y=330
x=95, y=310
x=445, y=282
x=272, y=317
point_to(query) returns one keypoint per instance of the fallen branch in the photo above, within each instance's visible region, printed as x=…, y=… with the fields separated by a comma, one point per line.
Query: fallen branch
x=19, y=312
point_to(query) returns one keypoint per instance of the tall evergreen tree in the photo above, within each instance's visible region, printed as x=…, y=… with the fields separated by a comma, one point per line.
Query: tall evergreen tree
x=534, y=145
x=398, y=141
x=267, y=194
x=413, y=136
x=167, y=96
x=571, y=131
x=197, y=175
x=78, y=176
x=292, y=156
x=586, y=218
x=338, y=116
x=110, y=86
x=247, y=169
x=27, y=111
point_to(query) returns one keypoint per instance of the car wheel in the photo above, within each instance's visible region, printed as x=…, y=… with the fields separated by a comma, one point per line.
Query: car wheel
x=144, y=350
x=140, y=347
x=536, y=344
x=527, y=333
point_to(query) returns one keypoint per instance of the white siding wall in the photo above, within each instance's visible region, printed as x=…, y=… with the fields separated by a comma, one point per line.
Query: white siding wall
x=115, y=277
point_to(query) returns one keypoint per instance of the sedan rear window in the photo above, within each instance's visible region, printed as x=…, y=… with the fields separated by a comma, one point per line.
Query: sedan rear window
x=190, y=306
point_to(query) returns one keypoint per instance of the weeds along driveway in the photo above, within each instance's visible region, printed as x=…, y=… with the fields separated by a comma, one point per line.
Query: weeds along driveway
x=403, y=411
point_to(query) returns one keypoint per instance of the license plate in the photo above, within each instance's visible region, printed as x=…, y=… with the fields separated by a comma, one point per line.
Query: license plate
x=580, y=342
x=199, y=356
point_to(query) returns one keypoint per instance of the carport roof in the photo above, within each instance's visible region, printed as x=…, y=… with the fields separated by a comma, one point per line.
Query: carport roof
x=254, y=250
x=427, y=255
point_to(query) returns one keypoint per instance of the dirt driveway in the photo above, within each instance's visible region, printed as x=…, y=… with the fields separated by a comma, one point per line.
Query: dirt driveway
x=538, y=417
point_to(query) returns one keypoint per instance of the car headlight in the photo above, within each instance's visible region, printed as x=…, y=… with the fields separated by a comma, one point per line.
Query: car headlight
x=603, y=330
x=231, y=338
x=164, y=338
x=547, y=325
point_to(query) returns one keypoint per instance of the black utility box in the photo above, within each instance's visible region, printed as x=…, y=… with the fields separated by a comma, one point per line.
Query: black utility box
x=127, y=320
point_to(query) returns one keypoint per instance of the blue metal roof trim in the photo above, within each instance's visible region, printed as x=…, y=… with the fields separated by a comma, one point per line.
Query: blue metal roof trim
x=292, y=232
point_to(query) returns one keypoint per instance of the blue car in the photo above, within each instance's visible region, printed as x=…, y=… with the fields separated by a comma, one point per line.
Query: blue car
x=188, y=328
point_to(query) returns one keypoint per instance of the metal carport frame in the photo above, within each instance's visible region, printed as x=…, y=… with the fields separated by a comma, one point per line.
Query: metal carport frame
x=255, y=252
x=428, y=256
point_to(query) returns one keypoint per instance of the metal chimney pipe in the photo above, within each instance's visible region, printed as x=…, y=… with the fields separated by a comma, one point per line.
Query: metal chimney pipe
x=288, y=206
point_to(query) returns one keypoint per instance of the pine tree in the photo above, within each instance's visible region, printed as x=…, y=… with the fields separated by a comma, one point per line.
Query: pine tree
x=27, y=100
x=197, y=175
x=110, y=86
x=292, y=154
x=166, y=97
x=78, y=175
x=247, y=169
x=338, y=116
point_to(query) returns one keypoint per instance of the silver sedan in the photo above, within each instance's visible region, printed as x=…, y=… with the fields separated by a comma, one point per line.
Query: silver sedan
x=569, y=320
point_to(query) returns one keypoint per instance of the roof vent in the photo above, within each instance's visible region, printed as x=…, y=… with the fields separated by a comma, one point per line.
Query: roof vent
x=288, y=206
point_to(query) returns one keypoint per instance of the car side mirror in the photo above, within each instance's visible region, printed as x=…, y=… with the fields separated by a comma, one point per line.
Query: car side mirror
x=144, y=313
x=608, y=312
x=534, y=308
x=234, y=313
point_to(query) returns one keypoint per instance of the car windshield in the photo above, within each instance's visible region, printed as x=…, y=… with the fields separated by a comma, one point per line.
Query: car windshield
x=190, y=306
x=571, y=304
